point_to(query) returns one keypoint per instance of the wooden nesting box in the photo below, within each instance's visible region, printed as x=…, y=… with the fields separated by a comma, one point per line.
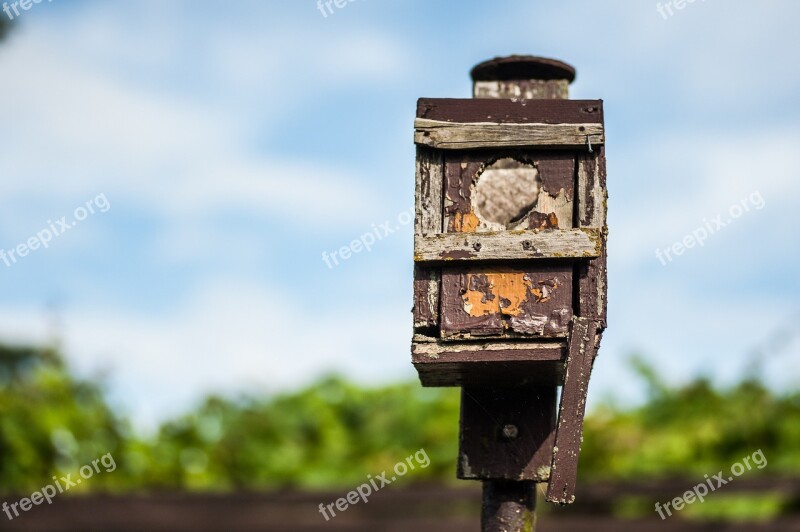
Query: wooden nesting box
x=510, y=259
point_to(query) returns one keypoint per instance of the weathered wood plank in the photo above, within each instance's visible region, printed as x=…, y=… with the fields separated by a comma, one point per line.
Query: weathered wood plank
x=504, y=111
x=428, y=197
x=462, y=135
x=426, y=297
x=487, y=351
x=592, y=196
x=592, y=206
x=525, y=89
x=508, y=433
x=569, y=431
x=427, y=221
x=446, y=363
x=510, y=245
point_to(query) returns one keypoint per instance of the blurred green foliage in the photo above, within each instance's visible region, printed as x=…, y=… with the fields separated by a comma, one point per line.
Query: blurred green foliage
x=692, y=430
x=334, y=433
x=331, y=434
x=50, y=422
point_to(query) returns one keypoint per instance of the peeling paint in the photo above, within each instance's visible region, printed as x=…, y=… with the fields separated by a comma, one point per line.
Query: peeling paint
x=532, y=324
x=482, y=301
x=456, y=254
x=465, y=223
x=505, y=293
x=543, y=473
x=466, y=470
x=497, y=292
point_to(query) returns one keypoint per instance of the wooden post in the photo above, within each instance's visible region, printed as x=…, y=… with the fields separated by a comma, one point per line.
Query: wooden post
x=508, y=506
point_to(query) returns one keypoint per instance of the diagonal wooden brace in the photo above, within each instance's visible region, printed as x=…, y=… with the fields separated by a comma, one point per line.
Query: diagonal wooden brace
x=582, y=348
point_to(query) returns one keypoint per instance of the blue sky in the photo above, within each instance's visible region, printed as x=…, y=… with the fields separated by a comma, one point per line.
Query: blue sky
x=237, y=141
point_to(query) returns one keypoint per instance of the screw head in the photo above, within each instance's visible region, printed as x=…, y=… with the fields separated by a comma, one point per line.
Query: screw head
x=510, y=431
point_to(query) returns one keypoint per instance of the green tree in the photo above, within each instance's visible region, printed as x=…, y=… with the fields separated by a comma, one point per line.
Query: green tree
x=331, y=434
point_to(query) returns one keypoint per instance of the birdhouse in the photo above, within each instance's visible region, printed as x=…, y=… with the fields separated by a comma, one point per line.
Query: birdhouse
x=510, y=263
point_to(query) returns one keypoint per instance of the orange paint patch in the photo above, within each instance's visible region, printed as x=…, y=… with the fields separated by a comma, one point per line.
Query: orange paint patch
x=465, y=223
x=505, y=293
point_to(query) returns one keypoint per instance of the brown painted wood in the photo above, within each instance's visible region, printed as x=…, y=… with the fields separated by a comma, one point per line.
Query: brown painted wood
x=523, y=68
x=462, y=170
x=503, y=111
x=503, y=301
x=474, y=363
x=470, y=373
x=507, y=432
x=569, y=431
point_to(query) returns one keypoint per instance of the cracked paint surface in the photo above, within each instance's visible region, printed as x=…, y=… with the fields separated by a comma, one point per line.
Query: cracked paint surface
x=491, y=301
x=504, y=292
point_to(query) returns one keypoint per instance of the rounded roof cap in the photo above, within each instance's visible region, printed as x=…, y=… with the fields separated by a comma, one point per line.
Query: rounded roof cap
x=518, y=67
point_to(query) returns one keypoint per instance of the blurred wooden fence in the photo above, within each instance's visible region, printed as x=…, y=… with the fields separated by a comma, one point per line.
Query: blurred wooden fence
x=417, y=508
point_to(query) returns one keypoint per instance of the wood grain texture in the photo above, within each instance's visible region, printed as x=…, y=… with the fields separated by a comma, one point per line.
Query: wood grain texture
x=592, y=196
x=428, y=197
x=569, y=431
x=509, y=245
x=437, y=351
x=462, y=135
x=504, y=111
x=525, y=89
x=427, y=221
x=592, y=207
x=426, y=297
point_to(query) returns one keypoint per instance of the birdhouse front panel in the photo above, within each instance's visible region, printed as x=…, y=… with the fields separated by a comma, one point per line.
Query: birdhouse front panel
x=515, y=190
x=510, y=232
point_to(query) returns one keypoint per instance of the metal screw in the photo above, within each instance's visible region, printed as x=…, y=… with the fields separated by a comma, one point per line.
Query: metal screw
x=510, y=431
x=526, y=245
x=476, y=246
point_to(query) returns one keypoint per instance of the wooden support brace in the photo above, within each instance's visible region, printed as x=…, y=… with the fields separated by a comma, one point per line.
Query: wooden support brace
x=569, y=430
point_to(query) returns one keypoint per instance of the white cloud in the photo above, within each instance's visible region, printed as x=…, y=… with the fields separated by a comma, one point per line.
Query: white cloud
x=669, y=185
x=146, y=147
x=231, y=335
